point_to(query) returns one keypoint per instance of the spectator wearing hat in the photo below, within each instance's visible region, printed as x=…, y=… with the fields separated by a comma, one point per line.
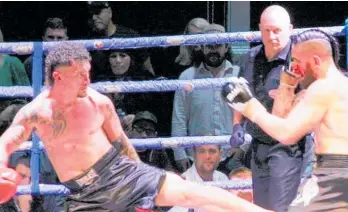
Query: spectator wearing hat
x=102, y=25
x=145, y=126
x=203, y=111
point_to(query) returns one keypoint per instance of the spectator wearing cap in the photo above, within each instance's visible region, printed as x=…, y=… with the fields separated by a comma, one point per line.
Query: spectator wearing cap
x=101, y=21
x=102, y=25
x=204, y=111
x=54, y=30
x=145, y=126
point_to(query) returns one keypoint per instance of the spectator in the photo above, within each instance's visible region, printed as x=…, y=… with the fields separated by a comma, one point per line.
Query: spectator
x=12, y=73
x=28, y=203
x=242, y=173
x=144, y=126
x=203, y=110
x=206, y=160
x=101, y=21
x=53, y=30
x=7, y=115
x=188, y=54
x=103, y=26
x=124, y=67
x=171, y=62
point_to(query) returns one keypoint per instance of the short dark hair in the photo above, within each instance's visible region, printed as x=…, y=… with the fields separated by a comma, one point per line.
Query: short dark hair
x=62, y=55
x=19, y=157
x=317, y=34
x=54, y=23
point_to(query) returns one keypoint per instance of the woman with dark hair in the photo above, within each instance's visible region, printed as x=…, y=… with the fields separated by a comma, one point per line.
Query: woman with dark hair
x=126, y=65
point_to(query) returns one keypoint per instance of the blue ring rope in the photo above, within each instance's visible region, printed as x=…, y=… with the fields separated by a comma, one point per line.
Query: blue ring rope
x=23, y=48
x=120, y=43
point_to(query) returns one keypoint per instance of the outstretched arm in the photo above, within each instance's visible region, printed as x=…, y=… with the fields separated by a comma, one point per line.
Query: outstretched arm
x=113, y=129
x=305, y=116
x=18, y=132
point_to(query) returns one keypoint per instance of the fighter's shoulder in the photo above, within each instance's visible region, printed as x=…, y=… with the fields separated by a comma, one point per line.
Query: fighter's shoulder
x=321, y=88
x=28, y=111
x=98, y=98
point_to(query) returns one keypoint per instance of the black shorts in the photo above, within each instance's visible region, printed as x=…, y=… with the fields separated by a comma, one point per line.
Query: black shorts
x=115, y=183
x=331, y=191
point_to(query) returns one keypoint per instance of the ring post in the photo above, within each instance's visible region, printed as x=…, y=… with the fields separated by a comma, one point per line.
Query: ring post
x=35, y=152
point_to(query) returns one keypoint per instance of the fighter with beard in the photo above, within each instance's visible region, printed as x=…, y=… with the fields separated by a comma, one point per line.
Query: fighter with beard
x=323, y=110
x=202, y=111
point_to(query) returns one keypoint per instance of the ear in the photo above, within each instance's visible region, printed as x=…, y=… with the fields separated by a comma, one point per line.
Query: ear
x=316, y=60
x=56, y=76
x=260, y=27
x=291, y=27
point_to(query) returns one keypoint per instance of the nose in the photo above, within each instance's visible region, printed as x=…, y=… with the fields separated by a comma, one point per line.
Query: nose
x=86, y=79
x=118, y=59
x=272, y=35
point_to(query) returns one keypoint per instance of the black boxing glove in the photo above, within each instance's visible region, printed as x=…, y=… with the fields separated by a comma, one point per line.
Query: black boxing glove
x=237, y=92
x=238, y=96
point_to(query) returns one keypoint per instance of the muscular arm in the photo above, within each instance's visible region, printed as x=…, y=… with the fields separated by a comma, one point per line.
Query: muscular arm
x=283, y=101
x=306, y=115
x=116, y=135
x=18, y=132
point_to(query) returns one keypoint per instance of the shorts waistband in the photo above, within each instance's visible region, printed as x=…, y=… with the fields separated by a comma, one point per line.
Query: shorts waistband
x=92, y=173
x=332, y=161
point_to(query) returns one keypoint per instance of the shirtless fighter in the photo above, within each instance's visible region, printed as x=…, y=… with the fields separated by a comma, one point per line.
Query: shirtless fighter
x=91, y=153
x=323, y=109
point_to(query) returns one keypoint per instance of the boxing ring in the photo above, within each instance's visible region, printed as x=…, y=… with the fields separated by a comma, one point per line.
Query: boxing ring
x=39, y=48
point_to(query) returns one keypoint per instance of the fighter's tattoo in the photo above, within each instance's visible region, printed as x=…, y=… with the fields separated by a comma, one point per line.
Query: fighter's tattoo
x=109, y=112
x=122, y=143
x=58, y=123
x=126, y=148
